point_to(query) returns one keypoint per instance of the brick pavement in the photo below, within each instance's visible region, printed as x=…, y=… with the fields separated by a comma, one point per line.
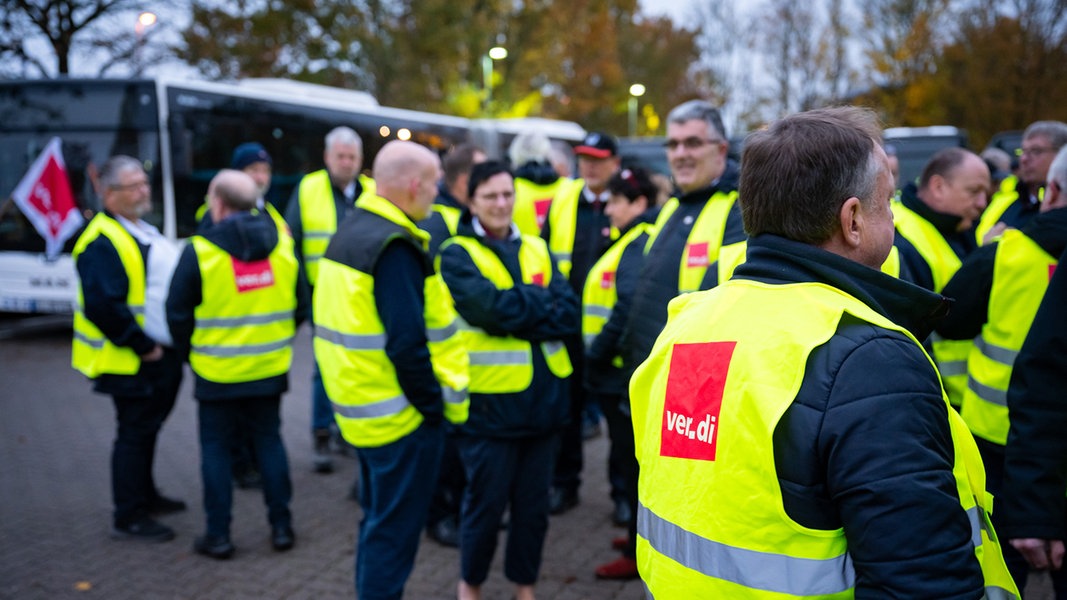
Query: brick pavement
x=55, y=439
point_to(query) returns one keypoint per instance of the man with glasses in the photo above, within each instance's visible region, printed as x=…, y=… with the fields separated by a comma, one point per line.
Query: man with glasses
x=1019, y=196
x=691, y=227
x=122, y=261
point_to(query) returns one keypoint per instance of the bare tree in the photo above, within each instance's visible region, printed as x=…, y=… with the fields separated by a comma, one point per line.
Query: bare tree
x=83, y=28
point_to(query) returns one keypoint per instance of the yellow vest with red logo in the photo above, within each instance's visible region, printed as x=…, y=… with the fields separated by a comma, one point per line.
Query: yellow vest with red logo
x=504, y=364
x=245, y=322
x=704, y=241
x=711, y=522
x=532, y=201
x=600, y=294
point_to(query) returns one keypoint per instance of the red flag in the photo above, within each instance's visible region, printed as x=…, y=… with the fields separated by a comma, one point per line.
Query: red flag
x=44, y=196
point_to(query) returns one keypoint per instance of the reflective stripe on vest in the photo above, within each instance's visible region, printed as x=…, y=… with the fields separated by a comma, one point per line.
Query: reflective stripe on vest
x=1021, y=272
x=318, y=216
x=599, y=294
x=349, y=339
x=704, y=241
x=749, y=568
x=92, y=353
x=502, y=365
x=243, y=331
x=706, y=404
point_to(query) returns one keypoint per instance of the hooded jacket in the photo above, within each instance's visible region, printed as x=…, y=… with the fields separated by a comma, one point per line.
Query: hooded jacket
x=247, y=237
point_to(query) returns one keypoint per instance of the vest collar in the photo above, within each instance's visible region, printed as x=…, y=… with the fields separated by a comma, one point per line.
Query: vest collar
x=391, y=212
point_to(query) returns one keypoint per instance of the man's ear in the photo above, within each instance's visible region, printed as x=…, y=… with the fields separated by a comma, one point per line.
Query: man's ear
x=851, y=221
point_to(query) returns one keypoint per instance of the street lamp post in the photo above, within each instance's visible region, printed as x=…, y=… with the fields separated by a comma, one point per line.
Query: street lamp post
x=636, y=90
x=495, y=53
x=144, y=21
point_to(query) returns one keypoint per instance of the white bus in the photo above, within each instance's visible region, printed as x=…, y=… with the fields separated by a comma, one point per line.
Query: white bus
x=184, y=131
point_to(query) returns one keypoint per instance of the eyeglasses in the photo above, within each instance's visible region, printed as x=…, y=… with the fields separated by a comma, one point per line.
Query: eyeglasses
x=1038, y=151
x=690, y=143
x=131, y=186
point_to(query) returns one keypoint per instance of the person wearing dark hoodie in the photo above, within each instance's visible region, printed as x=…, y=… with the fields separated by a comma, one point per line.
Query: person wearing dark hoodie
x=998, y=290
x=691, y=228
x=536, y=181
x=606, y=301
x=518, y=309
x=234, y=304
x=793, y=435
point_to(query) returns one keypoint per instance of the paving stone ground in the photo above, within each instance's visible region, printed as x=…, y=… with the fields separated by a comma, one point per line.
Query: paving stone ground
x=55, y=440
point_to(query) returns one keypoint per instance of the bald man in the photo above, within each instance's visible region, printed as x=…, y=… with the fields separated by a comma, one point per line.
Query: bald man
x=391, y=360
x=233, y=308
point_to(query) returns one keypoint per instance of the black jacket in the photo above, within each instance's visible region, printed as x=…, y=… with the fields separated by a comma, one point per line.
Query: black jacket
x=973, y=283
x=1036, y=456
x=658, y=283
x=866, y=444
x=247, y=237
x=913, y=267
x=600, y=374
x=525, y=311
x=435, y=224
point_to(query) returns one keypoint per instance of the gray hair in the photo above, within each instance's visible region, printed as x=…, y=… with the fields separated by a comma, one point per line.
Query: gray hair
x=531, y=146
x=1055, y=131
x=344, y=135
x=997, y=157
x=114, y=167
x=698, y=109
x=1057, y=171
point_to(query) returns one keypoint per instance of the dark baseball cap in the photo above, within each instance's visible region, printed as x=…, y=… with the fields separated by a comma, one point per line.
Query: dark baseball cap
x=598, y=145
x=249, y=153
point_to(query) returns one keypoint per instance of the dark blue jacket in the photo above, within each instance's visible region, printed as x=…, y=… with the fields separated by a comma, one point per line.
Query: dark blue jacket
x=913, y=267
x=528, y=312
x=866, y=444
x=658, y=283
x=247, y=237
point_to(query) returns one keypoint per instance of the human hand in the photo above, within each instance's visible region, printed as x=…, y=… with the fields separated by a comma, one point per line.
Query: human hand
x=994, y=233
x=153, y=355
x=1041, y=554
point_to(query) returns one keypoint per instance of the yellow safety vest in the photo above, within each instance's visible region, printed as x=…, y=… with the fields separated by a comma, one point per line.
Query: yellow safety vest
x=532, y=201
x=600, y=294
x=279, y=220
x=705, y=407
x=704, y=241
x=369, y=405
x=504, y=365
x=564, y=223
x=318, y=216
x=91, y=352
x=245, y=322
x=951, y=355
x=1002, y=199
x=733, y=255
x=1021, y=273
x=450, y=215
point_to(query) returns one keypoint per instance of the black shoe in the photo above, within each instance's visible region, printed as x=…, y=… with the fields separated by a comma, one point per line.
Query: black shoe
x=445, y=532
x=282, y=538
x=622, y=513
x=217, y=547
x=249, y=479
x=321, y=451
x=144, y=528
x=561, y=500
x=162, y=505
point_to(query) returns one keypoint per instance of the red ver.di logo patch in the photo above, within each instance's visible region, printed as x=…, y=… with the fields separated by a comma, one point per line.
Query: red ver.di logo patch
x=253, y=275
x=697, y=255
x=694, y=398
